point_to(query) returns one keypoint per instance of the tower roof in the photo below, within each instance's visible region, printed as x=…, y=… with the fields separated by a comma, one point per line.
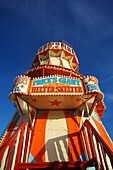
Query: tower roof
x=56, y=53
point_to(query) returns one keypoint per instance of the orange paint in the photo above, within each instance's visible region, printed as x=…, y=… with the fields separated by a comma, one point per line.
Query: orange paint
x=38, y=141
x=103, y=134
x=74, y=145
x=9, y=132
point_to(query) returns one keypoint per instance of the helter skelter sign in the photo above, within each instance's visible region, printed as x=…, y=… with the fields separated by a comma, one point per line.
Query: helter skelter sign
x=47, y=90
x=57, y=85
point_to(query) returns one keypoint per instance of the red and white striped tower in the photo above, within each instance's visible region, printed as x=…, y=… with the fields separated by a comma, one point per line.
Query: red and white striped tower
x=57, y=122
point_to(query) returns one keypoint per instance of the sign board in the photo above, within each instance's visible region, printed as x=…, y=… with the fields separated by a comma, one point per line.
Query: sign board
x=57, y=85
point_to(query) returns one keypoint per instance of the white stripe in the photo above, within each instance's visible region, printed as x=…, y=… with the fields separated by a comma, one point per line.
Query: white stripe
x=56, y=137
x=25, y=132
x=108, y=162
x=103, y=162
x=15, y=151
x=81, y=120
x=3, y=162
x=96, y=150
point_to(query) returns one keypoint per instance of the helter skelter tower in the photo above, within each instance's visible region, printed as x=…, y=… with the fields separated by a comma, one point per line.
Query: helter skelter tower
x=57, y=122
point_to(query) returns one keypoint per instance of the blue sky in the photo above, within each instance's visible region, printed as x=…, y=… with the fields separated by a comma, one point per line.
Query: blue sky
x=25, y=25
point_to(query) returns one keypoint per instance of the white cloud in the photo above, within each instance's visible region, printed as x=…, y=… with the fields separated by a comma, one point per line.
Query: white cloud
x=109, y=96
x=92, y=17
x=110, y=79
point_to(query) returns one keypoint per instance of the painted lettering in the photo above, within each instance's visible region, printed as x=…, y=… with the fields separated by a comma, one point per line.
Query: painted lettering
x=62, y=80
x=37, y=82
x=57, y=89
x=45, y=81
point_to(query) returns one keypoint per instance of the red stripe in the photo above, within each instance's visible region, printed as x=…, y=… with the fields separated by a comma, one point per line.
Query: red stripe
x=38, y=142
x=74, y=144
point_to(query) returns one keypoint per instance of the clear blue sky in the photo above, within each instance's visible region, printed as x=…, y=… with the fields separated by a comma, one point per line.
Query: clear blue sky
x=25, y=25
